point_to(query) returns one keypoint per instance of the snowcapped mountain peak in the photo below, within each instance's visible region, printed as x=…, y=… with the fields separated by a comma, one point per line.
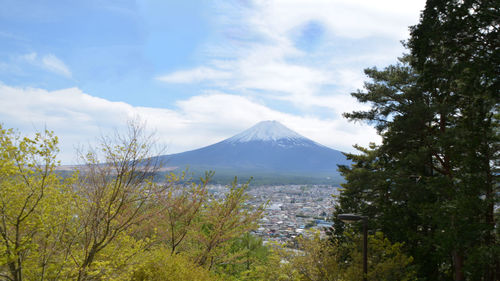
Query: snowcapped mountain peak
x=266, y=131
x=266, y=148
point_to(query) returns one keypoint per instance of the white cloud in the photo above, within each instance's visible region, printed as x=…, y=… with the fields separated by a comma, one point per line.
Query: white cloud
x=54, y=64
x=194, y=75
x=346, y=18
x=49, y=62
x=78, y=118
x=355, y=34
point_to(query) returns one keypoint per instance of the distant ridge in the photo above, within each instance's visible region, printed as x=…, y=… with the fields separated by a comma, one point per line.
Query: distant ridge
x=267, y=148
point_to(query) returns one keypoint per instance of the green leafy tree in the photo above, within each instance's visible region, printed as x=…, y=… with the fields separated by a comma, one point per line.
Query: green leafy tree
x=160, y=265
x=276, y=266
x=386, y=260
x=115, y=194
x=321, y=259
x=179, y=205
x=222, y=221
x=249, y=251
x=35, y=208
x=316, y=258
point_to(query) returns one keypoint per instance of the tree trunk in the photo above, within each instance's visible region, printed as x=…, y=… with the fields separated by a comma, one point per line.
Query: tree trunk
x=458, y=266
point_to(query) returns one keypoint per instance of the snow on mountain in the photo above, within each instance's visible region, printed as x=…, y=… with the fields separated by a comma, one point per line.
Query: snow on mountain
x=267, y=147
x=266, y=131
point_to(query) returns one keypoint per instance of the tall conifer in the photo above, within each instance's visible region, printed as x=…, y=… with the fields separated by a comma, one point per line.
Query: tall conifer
x=437, y=167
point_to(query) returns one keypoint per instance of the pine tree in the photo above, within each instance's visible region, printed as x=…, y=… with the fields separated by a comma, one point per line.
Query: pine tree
x=437, y=167
x=456, y=50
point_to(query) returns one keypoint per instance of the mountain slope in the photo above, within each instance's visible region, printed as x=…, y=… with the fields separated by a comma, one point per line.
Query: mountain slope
x=268, y=147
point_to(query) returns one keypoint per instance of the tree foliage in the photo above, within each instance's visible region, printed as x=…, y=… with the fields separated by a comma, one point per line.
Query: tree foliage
x=433, y=182
x=114, y=194
x=225, y=219
x=159, y=265
x=248, y=252
x=455, y=48
x=34, y=212
x=112, y=220
x=386, y=260
x=320, y=259
x=179, y=207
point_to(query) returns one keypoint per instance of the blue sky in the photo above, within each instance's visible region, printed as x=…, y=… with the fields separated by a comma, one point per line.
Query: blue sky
x=196, y=71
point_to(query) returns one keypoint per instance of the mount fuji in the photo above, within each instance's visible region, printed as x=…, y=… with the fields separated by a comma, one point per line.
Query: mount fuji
x=268, y=150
